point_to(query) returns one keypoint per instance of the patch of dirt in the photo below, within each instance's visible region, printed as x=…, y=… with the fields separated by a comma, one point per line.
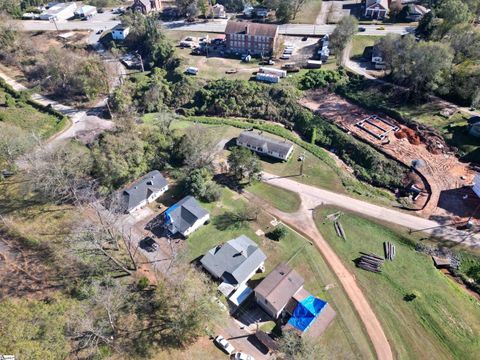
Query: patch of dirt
x=441, y=170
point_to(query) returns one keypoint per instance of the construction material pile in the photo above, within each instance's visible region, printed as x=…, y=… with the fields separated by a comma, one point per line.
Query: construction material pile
x=336, y=223
x=389, y=250
x=370, y=262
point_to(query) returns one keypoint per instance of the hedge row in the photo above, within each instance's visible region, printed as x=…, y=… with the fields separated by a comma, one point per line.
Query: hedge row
x=25, y=97
x=272, y=129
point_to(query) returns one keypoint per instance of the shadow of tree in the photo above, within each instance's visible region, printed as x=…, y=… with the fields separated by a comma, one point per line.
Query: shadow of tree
x=228, y=221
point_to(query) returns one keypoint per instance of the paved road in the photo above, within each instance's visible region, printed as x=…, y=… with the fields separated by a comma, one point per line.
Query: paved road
x=302, y=221
x=216, y=26
x=313, y=197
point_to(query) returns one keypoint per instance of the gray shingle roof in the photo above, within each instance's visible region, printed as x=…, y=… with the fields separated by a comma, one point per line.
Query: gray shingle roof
x=235, y=260
x=141, y=189
x=185, y=213
x=256, y=140
x=280, y=286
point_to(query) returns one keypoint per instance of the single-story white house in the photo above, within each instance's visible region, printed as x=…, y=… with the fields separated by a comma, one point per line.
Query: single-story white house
x=185, y=217
x=256, y=141
x=143, y=191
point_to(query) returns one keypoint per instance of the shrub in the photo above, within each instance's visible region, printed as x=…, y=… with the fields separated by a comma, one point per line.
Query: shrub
x=143, y=283
x=278, y=233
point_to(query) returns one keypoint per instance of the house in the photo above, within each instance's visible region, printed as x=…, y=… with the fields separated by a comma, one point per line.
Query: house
x=59, y=12
x=275, y=291
x=416, y=12
x=282, y=296
x=376, y=9
x=144, y=191
x=261, y=12
x=377, y=58
x=234, y=262
x=279, y=149
x=218, y=11
x=185, y=217
x=120, y=32
x=251, y=38
x=147, y=6
x=86, y=11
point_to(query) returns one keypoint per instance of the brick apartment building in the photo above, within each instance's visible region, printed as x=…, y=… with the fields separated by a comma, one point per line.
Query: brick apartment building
x=251, y=38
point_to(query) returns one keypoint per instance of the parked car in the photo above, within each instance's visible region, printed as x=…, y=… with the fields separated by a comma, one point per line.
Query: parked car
x=362, y=29
x=192, y=70
x=285, y=56
x=305, y=38
x=99, y=31
x=243, y=356
x=149, y=244
x=224, y=344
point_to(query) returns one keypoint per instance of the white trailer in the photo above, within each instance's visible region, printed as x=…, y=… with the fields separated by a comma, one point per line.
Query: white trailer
x=273, y=71
x=192, y=70
x=270, y=78
x=314, y=64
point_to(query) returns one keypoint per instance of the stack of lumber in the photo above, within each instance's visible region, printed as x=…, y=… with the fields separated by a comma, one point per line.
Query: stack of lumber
x=339, y=229
x=370, y=262
x=389, y=250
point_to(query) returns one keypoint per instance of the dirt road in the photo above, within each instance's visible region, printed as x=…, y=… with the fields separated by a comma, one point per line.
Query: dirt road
x=313, y=197
x=303, y=222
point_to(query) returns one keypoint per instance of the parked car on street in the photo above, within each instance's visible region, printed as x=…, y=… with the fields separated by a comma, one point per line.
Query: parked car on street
x=224, y=344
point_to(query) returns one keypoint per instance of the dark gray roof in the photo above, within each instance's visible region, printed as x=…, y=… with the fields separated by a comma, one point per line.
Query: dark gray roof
x=280, y=286
x=377, y=52
x=141, y=189
x=185, y=213
x=254, y=29
x=235, y=260
x=256, y=139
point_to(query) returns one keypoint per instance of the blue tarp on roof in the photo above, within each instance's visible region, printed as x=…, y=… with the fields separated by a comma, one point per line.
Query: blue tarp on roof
x=306, y=312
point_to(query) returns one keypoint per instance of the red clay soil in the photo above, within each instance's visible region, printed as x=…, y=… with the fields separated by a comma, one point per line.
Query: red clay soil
x=441, y=169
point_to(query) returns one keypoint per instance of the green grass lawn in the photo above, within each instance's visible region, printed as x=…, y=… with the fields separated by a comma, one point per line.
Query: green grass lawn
x=443, y=322
x=284, y=200
x=360, y=42
x=28, y=118
x=345, y=338
x=308, y=13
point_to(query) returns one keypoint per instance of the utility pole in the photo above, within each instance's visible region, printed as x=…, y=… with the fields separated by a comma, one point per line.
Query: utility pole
x=141, y=61
x=55, y=23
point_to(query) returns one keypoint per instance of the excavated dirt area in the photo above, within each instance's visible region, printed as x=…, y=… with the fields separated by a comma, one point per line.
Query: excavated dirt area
x=448, y=178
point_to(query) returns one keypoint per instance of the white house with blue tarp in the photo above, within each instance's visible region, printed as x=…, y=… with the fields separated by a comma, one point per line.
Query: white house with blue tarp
x=185, y=217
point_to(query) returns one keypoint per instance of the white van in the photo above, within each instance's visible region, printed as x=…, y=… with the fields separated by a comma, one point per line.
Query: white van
x=192, y=70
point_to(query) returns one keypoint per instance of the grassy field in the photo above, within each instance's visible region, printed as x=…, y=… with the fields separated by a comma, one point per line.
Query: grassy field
x=282, y=199
x=308, y=13
x=443, y=322
x=27, y=117
x=345, y=338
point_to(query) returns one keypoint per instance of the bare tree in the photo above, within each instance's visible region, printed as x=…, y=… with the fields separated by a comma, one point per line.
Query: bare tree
x=198, y=147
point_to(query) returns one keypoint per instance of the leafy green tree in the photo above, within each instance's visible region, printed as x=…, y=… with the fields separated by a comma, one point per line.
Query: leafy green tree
x=465, y=41
x=315, y=79
x=199, y=183
x=342, y=35
x=14, y=142
x=452, y=12
x=119, y=158
x=295, y=347
x=278, y=233
x=244, y=164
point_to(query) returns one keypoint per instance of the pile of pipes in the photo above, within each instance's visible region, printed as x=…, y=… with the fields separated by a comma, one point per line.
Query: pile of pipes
x=370, y=262
x=389, y=250
x=338, y=227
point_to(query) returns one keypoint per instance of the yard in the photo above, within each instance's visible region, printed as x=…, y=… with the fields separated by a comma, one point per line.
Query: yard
x=360, y=42
x=308, y=13
x=345, y=338
x=282, y=199
x=442, y=322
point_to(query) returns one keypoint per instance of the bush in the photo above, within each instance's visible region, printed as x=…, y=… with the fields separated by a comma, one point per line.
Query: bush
x=278, y=233
x=143, y=283
x=315, y=79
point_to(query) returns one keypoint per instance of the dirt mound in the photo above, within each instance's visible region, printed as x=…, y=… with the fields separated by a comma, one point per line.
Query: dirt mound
x=410, y=134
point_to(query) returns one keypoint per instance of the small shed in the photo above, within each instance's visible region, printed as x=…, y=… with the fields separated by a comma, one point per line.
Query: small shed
x=266, y=340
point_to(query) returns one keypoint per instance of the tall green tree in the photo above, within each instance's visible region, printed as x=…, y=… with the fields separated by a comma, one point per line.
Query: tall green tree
x=342, y=35
x=244, y=164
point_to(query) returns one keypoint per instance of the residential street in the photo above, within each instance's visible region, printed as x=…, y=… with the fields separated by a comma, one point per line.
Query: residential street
x=313, y=197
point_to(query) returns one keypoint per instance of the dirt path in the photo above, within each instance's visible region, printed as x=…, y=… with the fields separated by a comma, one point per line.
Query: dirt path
x=323, y=15
x=302, y=221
